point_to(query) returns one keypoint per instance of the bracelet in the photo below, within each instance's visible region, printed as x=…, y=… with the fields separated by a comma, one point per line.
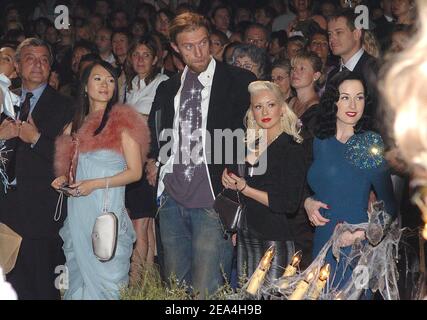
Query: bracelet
x=244, y=187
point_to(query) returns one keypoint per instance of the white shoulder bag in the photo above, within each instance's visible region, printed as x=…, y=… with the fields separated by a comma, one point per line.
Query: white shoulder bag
x=104, y=233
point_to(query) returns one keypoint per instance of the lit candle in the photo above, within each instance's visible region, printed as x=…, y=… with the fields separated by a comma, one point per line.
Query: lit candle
x=302, y=287
x=291, y=269
x=424, y=233
x=258, y=277
x=321, y=282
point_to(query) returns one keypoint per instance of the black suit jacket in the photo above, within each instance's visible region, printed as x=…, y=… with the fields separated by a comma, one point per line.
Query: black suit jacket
x=229, y=101
x=30, y=209
x=368, y=67
x=383, y=30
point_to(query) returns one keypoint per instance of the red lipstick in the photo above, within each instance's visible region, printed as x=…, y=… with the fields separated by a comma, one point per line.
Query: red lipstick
x=351, y=114
x=265, y=120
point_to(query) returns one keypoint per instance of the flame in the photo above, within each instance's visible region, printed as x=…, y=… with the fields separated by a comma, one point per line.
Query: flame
x=324, y=272
x=266, y=259
x=296, y=259
x=424, y=232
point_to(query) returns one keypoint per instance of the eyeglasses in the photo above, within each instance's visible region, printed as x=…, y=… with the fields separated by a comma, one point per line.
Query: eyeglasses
x=30, y=59
x=246, y=66
x=279, y=78
x=256, y=41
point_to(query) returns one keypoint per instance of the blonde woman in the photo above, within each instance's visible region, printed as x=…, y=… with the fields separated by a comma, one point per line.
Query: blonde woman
x=370, y=44
x=305, y=73
x=277, y=193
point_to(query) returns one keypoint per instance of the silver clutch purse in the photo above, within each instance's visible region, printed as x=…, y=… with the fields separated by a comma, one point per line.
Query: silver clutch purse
x=104, y=233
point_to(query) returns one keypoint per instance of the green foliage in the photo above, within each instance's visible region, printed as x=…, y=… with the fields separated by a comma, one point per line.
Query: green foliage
x=152, y=287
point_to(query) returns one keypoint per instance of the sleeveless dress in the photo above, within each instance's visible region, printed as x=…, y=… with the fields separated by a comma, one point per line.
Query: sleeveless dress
x=89, y=278
x=140, y=195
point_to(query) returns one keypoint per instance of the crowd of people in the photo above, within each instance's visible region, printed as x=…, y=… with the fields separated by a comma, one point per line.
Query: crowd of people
x=102, y=100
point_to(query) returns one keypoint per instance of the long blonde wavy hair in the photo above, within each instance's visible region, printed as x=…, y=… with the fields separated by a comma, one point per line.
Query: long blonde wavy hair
x=403, y=85
x=370, y=44
x=289, y=121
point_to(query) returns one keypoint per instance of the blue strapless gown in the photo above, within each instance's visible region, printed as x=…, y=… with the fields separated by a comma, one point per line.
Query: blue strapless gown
x=342, y=176
x=88, y=277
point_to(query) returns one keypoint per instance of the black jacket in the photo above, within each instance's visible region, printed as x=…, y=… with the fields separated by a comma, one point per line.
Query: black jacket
x=383, y=31
x=30, y=209
x=229, y=101
x=285, y=183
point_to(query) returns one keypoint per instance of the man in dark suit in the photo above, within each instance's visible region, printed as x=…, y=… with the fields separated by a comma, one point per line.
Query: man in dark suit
x=384, y=25
x=29, y=205
x=207, y=95
x=345, y=41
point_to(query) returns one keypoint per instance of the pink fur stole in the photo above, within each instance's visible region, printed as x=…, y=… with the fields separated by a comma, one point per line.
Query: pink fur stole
x=121, y=118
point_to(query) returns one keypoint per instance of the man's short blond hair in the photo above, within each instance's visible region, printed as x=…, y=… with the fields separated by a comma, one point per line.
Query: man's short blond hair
x=185, y=22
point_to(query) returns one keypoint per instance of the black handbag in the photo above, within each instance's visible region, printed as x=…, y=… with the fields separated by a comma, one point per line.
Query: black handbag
x=229, y=211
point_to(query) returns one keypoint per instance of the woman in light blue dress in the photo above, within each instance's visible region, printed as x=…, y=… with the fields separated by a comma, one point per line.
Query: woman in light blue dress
x=112, y=142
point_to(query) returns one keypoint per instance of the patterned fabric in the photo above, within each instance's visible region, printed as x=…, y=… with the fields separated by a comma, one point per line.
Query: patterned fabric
x=188, y=184
x=365, y=151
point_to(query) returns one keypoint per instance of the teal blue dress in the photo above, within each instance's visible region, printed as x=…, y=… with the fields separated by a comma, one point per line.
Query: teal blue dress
x=90, y=279
x=342, y=175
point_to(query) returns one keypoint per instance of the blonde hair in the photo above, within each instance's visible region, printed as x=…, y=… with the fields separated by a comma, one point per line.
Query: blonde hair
x=403, y=87
x=185, y=22
x=289, y=120
x=370, y=44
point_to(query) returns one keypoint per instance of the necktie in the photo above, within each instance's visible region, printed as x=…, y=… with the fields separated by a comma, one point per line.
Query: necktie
x=25, y=107
x=23, y=115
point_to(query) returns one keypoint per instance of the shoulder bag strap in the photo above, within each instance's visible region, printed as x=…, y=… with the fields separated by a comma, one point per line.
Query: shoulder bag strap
x=105, y=202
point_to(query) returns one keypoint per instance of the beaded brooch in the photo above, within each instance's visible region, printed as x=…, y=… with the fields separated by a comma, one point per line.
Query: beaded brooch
x=365, y=151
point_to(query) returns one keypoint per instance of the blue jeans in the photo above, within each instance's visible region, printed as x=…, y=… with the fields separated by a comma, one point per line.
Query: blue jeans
x=195, y=250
